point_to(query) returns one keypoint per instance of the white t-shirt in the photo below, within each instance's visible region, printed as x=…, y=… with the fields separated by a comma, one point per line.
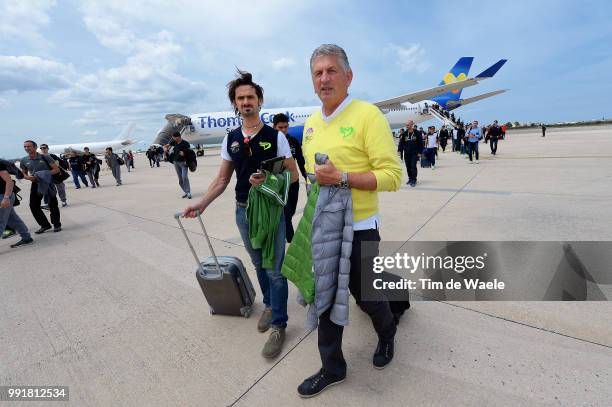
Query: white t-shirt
x=283, y=148
x=431, y=140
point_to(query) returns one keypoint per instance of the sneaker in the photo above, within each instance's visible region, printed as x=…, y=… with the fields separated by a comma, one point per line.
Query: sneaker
x=8, y=233
x=274, y=344
x=42, y=230
x=57, y=229
x=318, y=382
x=383, y=355
x=189, y=195
x=22, y=242
x=433, y=167
x=64, y=204
x=477, y=162
x=264, y=320
x=413, y=184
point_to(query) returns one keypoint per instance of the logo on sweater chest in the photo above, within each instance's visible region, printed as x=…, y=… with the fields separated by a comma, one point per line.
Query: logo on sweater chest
x=347, y=132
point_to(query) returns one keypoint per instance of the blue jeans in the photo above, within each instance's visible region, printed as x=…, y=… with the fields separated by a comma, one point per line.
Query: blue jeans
x=8, y=217
x=76, y=174
x=272, y=283
x=182, y=171
x=473, y=148
x=430, y=153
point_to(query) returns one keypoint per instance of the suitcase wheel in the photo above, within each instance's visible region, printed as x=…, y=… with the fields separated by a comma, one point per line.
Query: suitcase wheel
x=245, y=311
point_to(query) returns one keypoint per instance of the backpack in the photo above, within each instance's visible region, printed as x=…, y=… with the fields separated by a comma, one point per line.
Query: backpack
x=191, y=160
x=62, y=162
x=61, y=176
x=12, y=169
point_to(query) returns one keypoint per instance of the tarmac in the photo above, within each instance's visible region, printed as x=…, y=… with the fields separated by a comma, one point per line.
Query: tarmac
x=111, y=308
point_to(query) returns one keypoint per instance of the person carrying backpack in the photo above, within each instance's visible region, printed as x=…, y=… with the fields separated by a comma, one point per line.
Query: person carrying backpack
x=8, y=197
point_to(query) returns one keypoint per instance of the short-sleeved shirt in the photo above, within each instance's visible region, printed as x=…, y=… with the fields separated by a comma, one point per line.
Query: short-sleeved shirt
x=432, y=140
x=284, y=149
x=39, y=163
x=266, y=144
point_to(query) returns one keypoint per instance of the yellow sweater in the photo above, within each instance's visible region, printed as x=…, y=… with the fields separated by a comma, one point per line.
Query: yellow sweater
x=358, y=139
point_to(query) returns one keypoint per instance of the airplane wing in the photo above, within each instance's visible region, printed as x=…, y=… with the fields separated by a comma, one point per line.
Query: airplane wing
x=439, y=90
x=426, y=94
x=453, y=104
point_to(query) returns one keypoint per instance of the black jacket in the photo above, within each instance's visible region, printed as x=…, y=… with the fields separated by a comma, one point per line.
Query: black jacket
x=410, y=143
x=296, y=152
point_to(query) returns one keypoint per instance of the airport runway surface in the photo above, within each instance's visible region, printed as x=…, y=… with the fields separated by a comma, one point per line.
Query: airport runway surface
x=111, y=307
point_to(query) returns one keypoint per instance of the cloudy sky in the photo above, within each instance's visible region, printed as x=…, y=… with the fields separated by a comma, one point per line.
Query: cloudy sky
x=80, y=70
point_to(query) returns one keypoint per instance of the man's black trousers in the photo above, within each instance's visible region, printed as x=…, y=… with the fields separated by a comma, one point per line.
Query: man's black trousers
x=411, y=166
x=330, y=334
x=37, y=212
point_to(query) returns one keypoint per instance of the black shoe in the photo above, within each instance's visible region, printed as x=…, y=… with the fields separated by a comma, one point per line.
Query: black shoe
x=413, y=183
x=57, y=229
x=318, y=382
x=64, y=204
x=383, y=355
x=184, y=196
x=22, y=242
x=42, y=230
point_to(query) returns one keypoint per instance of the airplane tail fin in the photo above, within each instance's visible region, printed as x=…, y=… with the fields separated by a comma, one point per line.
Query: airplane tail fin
x=457, y=73
x=125, y=133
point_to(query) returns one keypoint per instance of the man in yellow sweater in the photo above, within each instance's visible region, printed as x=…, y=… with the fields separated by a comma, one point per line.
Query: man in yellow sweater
x=357, y=138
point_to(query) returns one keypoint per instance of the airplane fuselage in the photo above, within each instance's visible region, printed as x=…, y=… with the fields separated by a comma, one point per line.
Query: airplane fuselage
x=210, y=128
x=97, y=147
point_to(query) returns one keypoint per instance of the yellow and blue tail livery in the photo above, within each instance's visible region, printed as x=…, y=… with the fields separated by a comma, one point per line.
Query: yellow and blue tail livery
x=457, y=73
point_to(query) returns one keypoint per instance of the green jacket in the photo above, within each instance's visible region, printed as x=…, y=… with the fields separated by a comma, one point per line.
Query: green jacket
x=297, y=266
x=264, y=208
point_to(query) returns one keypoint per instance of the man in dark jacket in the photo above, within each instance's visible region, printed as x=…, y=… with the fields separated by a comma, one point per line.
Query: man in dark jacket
x=410, y=148
x=78, y=170
x=177, y=152
x=460, y=136
x=281, y=123
x=494, y=134
x=91, y=164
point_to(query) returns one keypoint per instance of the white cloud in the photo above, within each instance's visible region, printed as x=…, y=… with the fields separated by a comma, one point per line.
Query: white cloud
x=282, y=63
x=146, y=85
x=411, y=59
x=25, y=73
x=4, y=103
x=22, y=20
x=89, y=133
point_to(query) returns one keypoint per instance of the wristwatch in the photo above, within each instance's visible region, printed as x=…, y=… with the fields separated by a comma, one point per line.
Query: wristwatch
x=344, y=182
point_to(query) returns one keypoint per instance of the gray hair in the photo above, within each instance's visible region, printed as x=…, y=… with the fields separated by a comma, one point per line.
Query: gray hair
x=331, y=49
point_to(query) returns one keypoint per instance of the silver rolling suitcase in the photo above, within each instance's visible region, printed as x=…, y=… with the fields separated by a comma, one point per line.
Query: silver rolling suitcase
x=223, y=280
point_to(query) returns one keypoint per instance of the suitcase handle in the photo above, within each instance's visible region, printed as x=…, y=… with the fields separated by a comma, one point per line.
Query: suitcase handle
x=178, y=217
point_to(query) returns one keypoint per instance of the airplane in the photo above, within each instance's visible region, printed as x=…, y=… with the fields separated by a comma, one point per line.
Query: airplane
x=97, y=147
x=209, y=129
